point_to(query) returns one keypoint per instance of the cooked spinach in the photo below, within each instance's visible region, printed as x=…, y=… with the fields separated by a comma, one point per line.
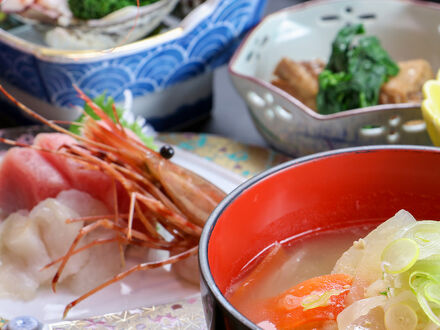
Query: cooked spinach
x=356, y=70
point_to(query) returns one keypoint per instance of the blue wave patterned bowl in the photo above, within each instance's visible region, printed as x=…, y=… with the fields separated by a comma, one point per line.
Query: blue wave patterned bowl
x=169, y=75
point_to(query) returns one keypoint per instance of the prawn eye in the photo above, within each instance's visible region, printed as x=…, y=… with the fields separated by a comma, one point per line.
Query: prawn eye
x=167, y=151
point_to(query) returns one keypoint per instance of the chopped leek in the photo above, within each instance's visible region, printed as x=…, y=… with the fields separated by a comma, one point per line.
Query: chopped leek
x=400, y=316
x=412, y=262
x=427, y=308
x=432, y=292
x=400, y=255
x=318, y=300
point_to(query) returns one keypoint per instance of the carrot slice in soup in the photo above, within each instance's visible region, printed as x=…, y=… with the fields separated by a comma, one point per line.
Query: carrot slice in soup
x=310, y=303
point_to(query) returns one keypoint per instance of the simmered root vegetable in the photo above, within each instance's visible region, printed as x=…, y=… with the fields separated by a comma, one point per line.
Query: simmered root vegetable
x=390, y=279
x=362, y=260
x=300, y=79
x=313, y=303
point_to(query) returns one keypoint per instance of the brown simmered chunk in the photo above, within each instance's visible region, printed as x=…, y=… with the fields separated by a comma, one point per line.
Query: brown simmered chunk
x=407, y=85
x=300, y=79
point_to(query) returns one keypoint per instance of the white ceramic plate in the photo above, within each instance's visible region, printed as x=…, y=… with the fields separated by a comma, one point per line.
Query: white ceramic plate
x=141, y=289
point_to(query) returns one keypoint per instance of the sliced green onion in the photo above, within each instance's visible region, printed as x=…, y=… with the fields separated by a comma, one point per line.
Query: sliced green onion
x=432, y=292
x=423, y=270
x=418, y=279
x=319, y=300
x=424, y=304
x=400, y=316
x=400, y=255
x=427, y=235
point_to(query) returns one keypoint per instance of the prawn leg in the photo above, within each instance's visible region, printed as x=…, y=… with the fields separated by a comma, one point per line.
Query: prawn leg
x=83, y=248
x=104, y=223
x=139, y=267
x=180, y=222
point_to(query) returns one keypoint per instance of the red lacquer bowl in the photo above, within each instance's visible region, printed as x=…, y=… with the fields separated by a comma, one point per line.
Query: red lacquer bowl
x=324, y=191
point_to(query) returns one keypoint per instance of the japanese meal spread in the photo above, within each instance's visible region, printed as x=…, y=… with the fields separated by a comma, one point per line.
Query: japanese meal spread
x=345, y=239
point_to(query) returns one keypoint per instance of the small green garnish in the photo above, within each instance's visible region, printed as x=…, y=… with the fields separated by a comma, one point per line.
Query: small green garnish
x=384, y=293
x=106, y=104
x=93, y=9
x=355, y=72
x=370, y=126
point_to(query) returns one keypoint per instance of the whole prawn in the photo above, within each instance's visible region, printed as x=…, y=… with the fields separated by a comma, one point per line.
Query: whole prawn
x=168, y=205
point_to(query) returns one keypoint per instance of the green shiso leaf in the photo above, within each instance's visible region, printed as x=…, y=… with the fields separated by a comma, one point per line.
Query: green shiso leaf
x=106, y=104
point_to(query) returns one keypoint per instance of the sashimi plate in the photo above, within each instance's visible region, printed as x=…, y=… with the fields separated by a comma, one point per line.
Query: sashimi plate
x=141, y=289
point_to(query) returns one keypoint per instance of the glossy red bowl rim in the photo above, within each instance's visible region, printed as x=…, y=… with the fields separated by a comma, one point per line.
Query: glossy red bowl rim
x=204, y=267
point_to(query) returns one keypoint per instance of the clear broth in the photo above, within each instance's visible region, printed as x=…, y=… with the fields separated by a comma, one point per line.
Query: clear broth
x=310, y=256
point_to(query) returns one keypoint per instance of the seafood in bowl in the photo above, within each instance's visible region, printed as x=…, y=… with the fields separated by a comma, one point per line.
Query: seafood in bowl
x=90, y=24
x=283, y=232
x=144, y=200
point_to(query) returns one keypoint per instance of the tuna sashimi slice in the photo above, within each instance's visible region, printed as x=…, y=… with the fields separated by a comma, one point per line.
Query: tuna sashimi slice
x=94, y=182
x=26, y=178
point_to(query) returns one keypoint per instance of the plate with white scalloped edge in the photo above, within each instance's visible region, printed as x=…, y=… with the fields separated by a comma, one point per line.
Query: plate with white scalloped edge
x=141, y=289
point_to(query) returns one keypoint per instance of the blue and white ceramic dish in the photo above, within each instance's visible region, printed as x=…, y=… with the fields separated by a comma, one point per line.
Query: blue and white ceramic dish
x=169, y=75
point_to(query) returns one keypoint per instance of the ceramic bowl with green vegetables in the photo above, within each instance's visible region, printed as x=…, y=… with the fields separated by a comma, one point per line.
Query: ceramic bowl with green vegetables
x=331, y=74
x=90, y=24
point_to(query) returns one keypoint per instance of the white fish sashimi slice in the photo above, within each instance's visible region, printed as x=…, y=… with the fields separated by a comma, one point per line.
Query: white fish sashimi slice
x=30, y=241
x=50, y=216
x=82, y=203
x=22, y=256
x=102, y=263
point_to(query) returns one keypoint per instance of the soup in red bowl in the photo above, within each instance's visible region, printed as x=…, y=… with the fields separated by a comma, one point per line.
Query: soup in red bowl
x=288, y=227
